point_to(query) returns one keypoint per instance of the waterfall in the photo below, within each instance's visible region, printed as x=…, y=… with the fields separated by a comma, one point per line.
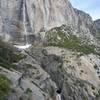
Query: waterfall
x=27, y=45
x=24, y=21
x=58, y=97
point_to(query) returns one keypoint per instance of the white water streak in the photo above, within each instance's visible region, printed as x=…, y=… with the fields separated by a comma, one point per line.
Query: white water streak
x=58, y=97
x=24, y=20
x=22, y=46
x=27, y=45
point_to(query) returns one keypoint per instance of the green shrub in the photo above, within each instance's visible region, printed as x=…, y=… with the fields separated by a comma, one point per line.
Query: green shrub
x=95, y=66
x=28, y=91
x=8, y=56
x=69, y=41
x=4, y=87
x=98, y=95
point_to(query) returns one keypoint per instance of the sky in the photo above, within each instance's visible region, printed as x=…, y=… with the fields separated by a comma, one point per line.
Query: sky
x=92, y=7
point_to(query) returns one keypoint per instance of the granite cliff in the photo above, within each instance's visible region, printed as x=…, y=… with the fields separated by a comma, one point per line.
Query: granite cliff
x=41, y=15
x=63, y=61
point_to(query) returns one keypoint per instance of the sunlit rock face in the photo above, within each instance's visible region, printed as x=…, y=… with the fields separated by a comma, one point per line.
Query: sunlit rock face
x=15, y=25
x=39, y=14
x=51, y=13
x=46, y=14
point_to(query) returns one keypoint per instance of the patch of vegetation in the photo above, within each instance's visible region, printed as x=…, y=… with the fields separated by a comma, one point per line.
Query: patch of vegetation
x=8, y=56
x=97, y=95
x=59, y=37
x=80, y=83
x=85, y=98
x=93, y=88
x=95, y=66
x=28, y=91
x=51, y=91
x=82, y=71
x=60, y=66
x=28, y=65
x=4, y=87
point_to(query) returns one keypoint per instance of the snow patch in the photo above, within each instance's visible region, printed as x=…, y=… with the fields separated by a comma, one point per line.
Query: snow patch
x=22, y=46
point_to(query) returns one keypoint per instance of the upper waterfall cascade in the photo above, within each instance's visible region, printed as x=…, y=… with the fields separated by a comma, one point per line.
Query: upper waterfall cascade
x=26, y=33
x=58, y=97
x=19, y=19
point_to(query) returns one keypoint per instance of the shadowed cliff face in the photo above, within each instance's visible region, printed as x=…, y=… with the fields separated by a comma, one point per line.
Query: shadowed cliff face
x=96, y=27
x=96, y=30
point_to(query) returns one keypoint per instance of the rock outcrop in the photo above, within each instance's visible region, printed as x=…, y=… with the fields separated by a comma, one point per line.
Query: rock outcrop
x=97, y=24
x=96, y=30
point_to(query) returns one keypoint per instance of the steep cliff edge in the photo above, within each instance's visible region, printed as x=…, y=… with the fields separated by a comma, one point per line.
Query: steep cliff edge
x=96, y=27
x=41, y=14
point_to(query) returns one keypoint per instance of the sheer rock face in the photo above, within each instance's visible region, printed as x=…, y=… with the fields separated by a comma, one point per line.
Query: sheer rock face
x=40, y=14
x=96, y=27
x=96, y=30
x=84, y=20
x=97, y=24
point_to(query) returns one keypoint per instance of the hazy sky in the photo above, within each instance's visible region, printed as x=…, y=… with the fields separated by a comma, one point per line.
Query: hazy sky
x=90, y=6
